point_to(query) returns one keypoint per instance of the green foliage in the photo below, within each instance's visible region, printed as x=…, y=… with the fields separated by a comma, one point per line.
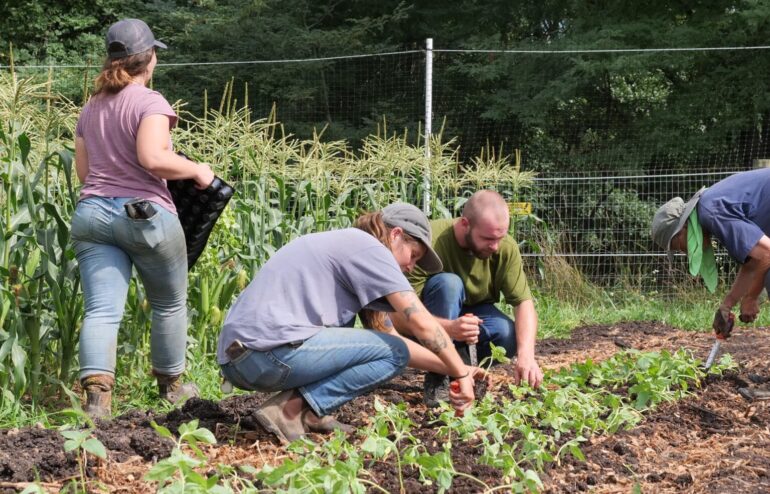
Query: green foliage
x=565, y=111
x=34, y=488
x=39, y=311
x=285, y=188
x=177, y=474
x=37, y=32
x=519, y=435
x=691, y=310
x=83, y=443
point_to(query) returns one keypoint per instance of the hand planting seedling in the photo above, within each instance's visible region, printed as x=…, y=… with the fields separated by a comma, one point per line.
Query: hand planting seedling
x=454, y=386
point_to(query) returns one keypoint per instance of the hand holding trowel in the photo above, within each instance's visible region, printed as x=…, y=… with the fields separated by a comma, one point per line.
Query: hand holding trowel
x=724, y=320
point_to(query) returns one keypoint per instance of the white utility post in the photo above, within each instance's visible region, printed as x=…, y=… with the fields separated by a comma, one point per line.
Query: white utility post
x=428, y=121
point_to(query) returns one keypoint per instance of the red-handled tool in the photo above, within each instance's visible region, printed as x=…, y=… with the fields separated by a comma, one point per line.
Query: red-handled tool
x=455, y=387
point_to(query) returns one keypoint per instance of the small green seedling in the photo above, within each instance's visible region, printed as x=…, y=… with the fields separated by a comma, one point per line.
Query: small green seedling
x=177, y=472
x=84, y=442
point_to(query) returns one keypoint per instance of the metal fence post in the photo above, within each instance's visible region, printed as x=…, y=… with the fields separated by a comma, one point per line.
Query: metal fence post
x=428, y=122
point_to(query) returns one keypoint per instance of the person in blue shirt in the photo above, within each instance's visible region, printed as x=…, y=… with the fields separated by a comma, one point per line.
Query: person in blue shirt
x=736, y=212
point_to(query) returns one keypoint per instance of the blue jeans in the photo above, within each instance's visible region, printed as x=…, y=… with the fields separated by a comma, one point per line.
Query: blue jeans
x=107, y=244
x=329, y=369
x=444, y=296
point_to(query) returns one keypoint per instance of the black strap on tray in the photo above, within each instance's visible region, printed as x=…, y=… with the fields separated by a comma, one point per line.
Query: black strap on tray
x=198, y=211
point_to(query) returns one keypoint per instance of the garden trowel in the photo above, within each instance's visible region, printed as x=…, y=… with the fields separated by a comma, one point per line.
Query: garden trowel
x=723, y=327
x=472, y=355
x=713, y=354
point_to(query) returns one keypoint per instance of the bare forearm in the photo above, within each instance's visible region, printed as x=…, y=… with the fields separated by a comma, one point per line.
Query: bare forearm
x=749, y=282
x=526, y=328
x=751, y=275
x=153, y=149
x=403, y=326
x=169, y=165
x=423, y=359
x=757, y=282
x=412, y=318
x=81, y=159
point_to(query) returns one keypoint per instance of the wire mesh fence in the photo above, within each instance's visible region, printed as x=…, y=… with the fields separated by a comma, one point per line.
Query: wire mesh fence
x=611, y=135
x=599, y=223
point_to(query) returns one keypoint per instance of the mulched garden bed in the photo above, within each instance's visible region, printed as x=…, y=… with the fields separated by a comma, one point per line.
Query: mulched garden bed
x=714, y=441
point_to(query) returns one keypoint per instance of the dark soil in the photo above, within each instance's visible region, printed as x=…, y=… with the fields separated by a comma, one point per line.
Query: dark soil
x=715, y=441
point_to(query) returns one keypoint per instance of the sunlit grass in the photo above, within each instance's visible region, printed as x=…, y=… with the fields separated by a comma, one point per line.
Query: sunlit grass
x=692, y=311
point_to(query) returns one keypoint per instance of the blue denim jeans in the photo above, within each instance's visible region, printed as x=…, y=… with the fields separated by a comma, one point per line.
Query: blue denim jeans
x=107, y=244
x=444, y=296
x=329, y=369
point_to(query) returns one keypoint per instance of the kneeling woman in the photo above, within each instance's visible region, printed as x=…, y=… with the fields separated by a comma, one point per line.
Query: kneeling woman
x=291, y=329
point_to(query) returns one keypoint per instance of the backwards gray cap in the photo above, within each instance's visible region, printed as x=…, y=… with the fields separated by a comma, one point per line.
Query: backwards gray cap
x=129, y=37
x=670, y=219
x=415, y=224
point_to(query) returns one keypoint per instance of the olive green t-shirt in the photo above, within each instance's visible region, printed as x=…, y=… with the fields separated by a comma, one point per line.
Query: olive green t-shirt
x=485, y=279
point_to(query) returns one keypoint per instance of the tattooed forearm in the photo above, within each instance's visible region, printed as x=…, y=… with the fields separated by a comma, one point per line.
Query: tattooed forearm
x=436, y=342
x=414, y=304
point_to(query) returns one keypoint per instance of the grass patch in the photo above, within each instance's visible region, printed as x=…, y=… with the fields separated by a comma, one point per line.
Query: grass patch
x=691, y=311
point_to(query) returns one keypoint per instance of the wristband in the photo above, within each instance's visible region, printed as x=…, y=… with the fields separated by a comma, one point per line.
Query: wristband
x=461, y=377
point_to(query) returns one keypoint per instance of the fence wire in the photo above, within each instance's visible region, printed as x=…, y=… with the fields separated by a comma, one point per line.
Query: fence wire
x=596, y=126
x=599, y=223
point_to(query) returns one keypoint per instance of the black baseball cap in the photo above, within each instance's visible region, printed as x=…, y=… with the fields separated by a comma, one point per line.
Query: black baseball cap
x=129, y=37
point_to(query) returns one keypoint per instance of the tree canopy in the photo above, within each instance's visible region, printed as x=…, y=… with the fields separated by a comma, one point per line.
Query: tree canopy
x=584, y=107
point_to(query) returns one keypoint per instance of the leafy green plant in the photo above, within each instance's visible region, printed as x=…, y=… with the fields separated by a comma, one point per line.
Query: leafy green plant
x=177, y=472
x=83, y=442
x=391, y=434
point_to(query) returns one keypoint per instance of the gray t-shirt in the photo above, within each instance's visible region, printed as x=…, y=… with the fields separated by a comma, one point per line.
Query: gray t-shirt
x=315, y=281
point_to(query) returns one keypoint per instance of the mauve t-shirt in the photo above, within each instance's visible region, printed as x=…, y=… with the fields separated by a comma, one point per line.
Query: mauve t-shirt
x=109, y=124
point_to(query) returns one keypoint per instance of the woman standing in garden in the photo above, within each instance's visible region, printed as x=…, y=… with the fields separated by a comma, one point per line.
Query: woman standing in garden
x=125, y=216
x=291, y=329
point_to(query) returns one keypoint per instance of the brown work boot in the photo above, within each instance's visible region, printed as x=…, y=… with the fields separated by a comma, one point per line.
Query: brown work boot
x=98, y=388
x=270, y=416
x=173, y=390
x=324, y=424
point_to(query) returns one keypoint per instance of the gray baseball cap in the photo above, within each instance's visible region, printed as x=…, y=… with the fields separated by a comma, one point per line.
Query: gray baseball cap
x=415, y=224
x=129, y=37
x=670, y=218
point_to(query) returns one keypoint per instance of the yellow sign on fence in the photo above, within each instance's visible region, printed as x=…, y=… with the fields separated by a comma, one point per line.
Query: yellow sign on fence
x=520, y=208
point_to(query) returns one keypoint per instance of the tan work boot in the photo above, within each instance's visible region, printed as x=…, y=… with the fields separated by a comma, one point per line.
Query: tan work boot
x=324, y=424
x=270, y=416
x=98, y=388
x=173, y=390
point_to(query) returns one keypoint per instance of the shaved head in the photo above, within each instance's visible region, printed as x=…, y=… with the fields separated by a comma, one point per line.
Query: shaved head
x=486, y=205
x=484, y=224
